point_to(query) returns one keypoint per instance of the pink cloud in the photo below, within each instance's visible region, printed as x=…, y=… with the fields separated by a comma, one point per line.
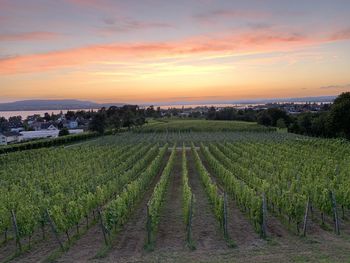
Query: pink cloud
x=195, y=47
x=94, y=4
x=341, y=35
x=126, y=24
x=85, y=2
x=29, y=36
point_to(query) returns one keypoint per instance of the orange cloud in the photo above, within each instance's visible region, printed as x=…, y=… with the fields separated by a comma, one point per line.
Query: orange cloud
x=346, y=86
x=29, y=36
x=196, y=47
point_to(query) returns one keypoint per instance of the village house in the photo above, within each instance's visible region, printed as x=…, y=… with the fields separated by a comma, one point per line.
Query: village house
x=71, y=124
x=38, y=126
x=39, y=134
x=48, y=126
x=9, y=137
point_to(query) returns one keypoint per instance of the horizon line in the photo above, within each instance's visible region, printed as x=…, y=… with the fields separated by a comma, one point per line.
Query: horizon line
x=174, y=102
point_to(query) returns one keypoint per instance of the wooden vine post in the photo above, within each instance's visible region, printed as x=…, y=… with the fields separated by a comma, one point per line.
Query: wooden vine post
x=264, y=215
x=307, y=208
x=54, y=229
x=15, y=227
x=225, y=215
x=189, y=226
x=149, y=227
x=335, y=213
x=104, y=230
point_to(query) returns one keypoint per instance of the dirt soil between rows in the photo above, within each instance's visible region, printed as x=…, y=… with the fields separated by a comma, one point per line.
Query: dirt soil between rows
x=171, y=230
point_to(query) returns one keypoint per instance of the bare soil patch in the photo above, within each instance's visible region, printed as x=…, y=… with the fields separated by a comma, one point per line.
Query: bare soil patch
x=206, y=230
x=171, y=230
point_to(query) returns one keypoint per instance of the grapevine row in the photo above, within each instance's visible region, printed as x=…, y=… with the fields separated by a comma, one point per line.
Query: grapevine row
x=215, y=197
x=116, y=212
x=155, y=203
x=243, y=194
x=187, y=197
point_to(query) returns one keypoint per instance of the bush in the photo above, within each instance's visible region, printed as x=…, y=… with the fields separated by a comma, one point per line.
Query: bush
x=63, y=132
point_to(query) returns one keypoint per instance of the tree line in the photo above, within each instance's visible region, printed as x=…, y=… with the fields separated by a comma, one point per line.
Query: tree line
x=331, y=121
x=115, y=118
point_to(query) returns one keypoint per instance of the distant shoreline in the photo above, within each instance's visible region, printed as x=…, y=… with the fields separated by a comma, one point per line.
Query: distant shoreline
x=55, y=105
x=25, y=113
x=73, y=109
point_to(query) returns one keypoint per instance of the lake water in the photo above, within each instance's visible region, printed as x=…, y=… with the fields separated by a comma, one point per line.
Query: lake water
x=25, y=114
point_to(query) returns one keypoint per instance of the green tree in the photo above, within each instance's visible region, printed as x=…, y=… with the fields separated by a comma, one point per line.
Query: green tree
x=99, y=122
x=211, y=115
x=129, y=119
x=339, y=117
x=63, y=132
x=115, y=121
x=304, y=121
x=277, y=114
x=150, y=112
x=281, y=124
x=264, y=118
x=4, y=125
x=47, y=117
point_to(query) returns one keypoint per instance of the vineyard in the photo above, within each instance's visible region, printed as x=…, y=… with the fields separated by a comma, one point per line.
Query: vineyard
x=203, y=125
x=227, y=195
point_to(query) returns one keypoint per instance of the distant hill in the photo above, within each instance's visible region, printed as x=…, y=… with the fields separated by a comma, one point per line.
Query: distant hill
x=33, y=105
x=29, y=105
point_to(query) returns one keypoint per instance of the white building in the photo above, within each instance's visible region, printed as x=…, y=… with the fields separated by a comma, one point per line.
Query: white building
x=38, y=126
x=52, y=128
x=76, y=131
x=17, y=129
x=30, y=135
x=42, y=134
x=9, y=137
x=3, y=140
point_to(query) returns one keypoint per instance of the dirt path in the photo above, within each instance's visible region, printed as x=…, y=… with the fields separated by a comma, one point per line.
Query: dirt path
x=275, y=228
x=171, y=230
x=240, y=229
x=129, y=244
x=38, y=246
x=86, y=247
x=39, y=252
x=45, y=247
x=206, y=232
x=6, y=250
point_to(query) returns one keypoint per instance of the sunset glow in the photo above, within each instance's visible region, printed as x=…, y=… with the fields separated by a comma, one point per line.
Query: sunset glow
x=171, y=51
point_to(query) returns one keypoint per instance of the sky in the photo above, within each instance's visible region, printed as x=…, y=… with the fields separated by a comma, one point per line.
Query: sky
x=151, y=51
